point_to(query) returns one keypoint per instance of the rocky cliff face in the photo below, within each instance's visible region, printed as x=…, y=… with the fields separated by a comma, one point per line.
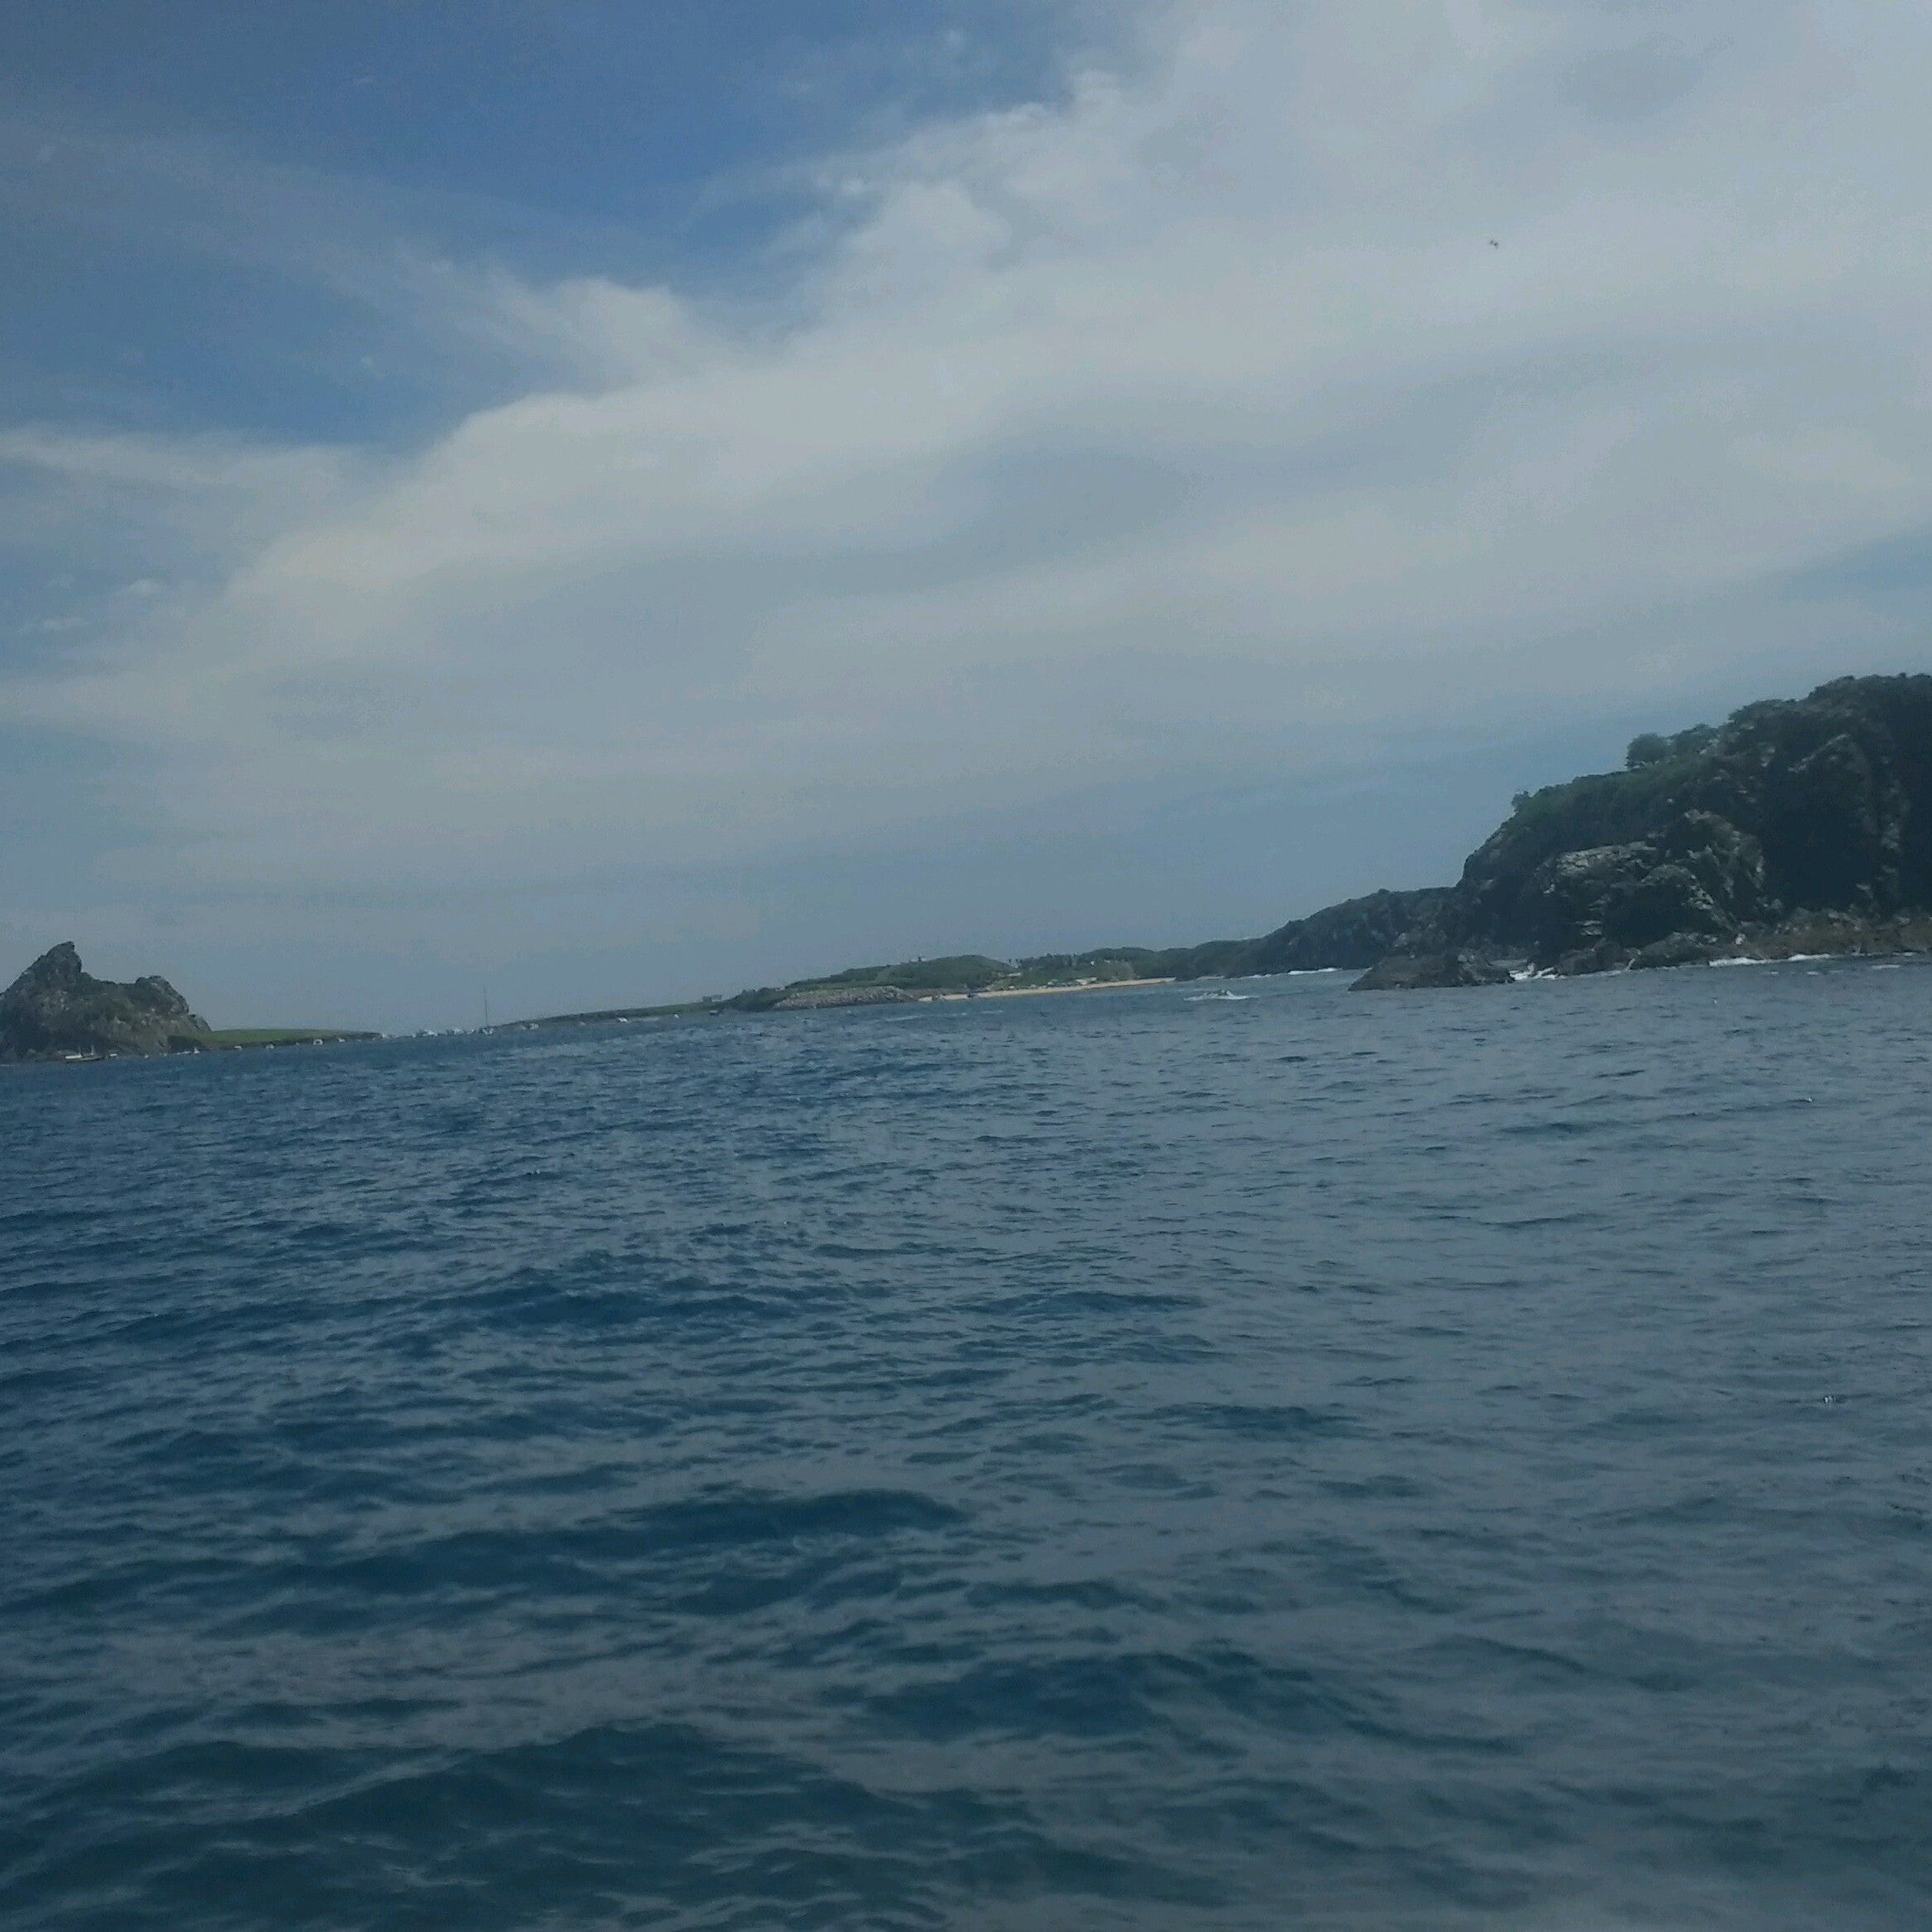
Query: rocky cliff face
x=1813, y=813
x=56, y=1008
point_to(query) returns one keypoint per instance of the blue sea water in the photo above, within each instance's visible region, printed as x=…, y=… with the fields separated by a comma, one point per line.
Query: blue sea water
x=1432, y=1460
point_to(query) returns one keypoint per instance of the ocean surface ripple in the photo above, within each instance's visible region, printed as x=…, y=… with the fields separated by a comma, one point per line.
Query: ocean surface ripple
x=1434, y=1460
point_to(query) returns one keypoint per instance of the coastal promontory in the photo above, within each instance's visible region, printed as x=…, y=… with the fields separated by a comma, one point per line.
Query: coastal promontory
x=56, y=1010
x=1796, y=826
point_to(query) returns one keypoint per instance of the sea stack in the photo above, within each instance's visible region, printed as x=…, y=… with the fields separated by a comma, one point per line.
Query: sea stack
x=56, y=1010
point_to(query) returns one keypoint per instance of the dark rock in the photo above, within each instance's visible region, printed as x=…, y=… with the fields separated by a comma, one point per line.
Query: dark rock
x=1603, y=957
x=1573, y=897
x=1632, y=895
x=1728, y=863
x=1788, y=811
x=1412, y=972
x=1667, y=900
x=56, y=1009
x=1833, y=934
x=1680, y=949
x=1838, y=817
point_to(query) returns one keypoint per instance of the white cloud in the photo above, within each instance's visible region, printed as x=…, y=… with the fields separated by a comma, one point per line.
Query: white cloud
x=1190, y=425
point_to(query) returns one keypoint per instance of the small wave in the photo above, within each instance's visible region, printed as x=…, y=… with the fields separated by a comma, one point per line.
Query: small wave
x=1196, y=999
x=1788, y=959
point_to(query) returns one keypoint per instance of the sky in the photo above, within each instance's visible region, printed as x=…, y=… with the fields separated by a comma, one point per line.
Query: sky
x=594, y=503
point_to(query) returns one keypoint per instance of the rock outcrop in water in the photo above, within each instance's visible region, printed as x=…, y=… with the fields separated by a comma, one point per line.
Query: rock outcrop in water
x=56, y=1010
x=1796, y=826
x=1412, y=972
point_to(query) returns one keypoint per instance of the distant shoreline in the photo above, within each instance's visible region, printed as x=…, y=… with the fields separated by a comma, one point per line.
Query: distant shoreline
x=1028, y=992
x=1798, y=827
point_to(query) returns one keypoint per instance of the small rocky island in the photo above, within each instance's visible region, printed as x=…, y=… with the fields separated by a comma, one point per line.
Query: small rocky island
x=56, y=1010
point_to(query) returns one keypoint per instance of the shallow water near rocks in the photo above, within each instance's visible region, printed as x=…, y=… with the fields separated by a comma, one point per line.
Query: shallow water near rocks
x=1434, y=1460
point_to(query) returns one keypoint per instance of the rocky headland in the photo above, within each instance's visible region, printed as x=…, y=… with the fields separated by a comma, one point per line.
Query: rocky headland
x=1796, y=827
x=56, y=1010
